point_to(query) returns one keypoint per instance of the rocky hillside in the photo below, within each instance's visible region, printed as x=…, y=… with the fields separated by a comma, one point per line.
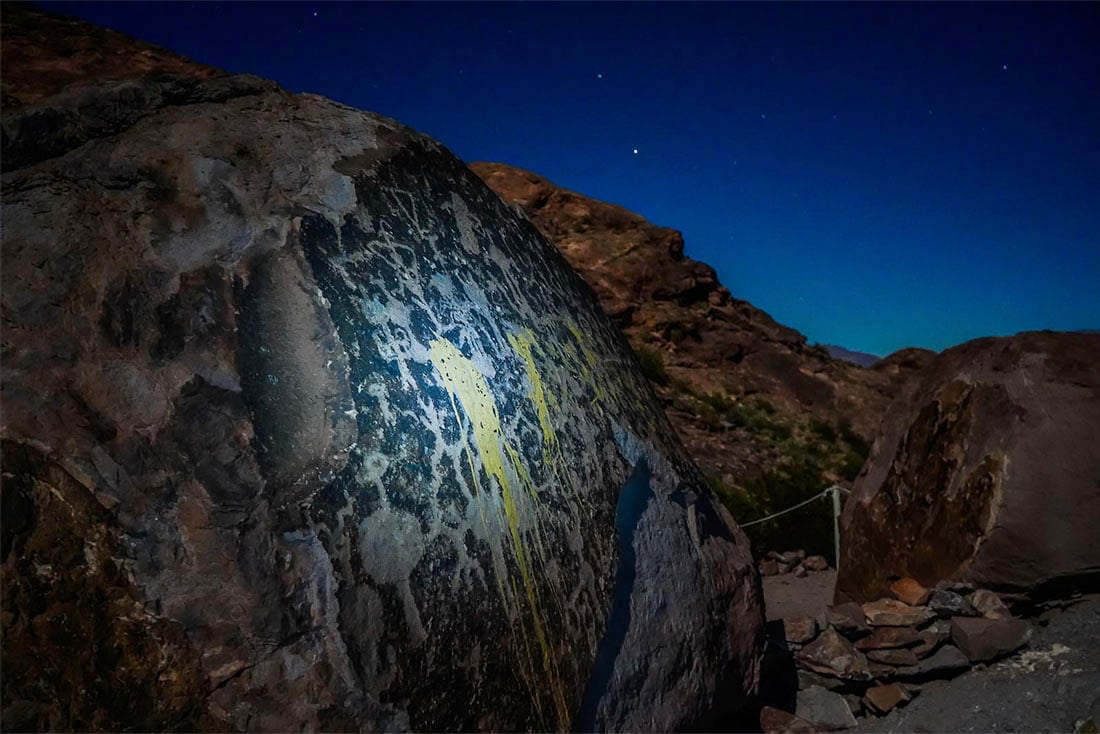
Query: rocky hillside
x=863, y=359
x=748, y=395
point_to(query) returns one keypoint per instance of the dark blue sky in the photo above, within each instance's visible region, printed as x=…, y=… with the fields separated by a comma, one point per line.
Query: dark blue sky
x=876, y=175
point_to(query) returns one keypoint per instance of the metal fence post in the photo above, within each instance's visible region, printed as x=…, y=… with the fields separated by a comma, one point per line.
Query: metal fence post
x=835, y=492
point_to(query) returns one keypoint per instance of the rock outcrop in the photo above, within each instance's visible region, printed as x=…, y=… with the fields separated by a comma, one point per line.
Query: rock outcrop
x=726, y=356
x=304, y=428
x=989, y=473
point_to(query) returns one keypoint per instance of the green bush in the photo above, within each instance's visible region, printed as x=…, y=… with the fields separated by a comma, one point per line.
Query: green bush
x=652, y=364
x=813, y=453
x=810, y=527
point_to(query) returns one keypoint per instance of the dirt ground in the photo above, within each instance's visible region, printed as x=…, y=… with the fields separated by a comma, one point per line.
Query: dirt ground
x=786, y=595
x=1052, y=685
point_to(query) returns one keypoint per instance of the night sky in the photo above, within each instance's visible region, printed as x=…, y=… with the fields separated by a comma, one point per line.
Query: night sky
x=876, y=175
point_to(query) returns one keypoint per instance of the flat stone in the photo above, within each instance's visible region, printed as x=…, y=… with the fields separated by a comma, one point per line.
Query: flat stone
x=881, y=672
x=950, y=604
x=833, y=655
x=947, y=662
x=959, y=587
x=808, y=679
x=982, y=640
x=930, y=641
x=800, y=630
x=778, y=721
x=793, y=557
x=910, y=591
x=884, y=699
x=848, y=619
x=882, y=638
x=899, y=657
x=825, y=710
x=989, y=605
x=816, y=563
x=894, y=613
x=769, y=568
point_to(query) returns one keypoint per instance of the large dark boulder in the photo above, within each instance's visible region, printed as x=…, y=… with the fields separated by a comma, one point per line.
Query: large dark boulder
x=303, y=428
x=989, y=473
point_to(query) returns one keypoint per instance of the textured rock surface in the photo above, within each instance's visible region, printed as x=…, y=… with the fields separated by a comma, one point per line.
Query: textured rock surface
x=989, y=605
x=944, y=663
x=848, y=619
x=882, y=638
x=909, y=591
x=894, y=613
x=825, y=710
x=982, y=640
x=670, y=304
x=988, y=473
x=833, y=655
x=776, y=721
x=884, y=699
x=304, y=428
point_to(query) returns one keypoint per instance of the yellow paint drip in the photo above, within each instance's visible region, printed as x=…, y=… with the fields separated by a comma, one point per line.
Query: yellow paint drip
x=523, y=343
x=463, y=380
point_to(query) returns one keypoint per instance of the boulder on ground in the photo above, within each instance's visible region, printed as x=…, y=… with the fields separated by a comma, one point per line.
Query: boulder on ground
x=986, y=473
x=305, y=429
x=816, y=563
x=982, y=640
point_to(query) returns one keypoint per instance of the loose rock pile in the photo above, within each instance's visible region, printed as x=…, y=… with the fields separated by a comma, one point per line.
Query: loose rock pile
x=794, y=562
x=870, y=659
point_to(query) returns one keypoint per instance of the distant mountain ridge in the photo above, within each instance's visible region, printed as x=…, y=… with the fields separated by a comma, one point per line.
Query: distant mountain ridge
x=863, y=359
x=747, y=394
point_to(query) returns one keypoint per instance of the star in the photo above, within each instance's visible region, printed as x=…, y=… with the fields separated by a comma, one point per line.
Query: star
x=314, y=13
x=599, y=76
x=635, y=151
x=1004, y=67
x=763, y=116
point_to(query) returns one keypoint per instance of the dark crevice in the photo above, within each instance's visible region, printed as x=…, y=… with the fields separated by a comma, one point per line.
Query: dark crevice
x=633, y=500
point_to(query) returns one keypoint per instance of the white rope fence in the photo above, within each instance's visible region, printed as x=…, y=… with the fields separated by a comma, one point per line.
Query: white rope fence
x=833, y=491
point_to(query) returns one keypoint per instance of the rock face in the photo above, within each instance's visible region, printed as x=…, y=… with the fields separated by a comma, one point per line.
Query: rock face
x=990, y=473
x=713, y=344
x=303, y=428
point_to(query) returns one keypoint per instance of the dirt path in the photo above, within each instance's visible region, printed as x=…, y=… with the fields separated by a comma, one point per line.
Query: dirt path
x=786, y=595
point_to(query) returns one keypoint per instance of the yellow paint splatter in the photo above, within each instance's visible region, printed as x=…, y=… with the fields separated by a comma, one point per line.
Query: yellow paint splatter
x=599, y=393
x=463, y=380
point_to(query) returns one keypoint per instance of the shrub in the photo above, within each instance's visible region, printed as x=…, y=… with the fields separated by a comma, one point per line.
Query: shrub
x=652, y=364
